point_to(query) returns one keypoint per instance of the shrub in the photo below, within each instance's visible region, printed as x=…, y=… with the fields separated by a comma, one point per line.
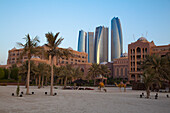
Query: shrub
x=6, y=71
x=2, y=74
x=14, y=73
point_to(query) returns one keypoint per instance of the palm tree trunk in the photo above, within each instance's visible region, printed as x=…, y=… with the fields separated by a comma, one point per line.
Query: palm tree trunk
x=52, y=77
x=65, y=82
x=9, y=72
x=94, y=81
x=169, y=85
x=28, y=77
x=39, y=79
x=102, y=78
x=36, y=80
x=46, y=80
x=147, y=92
x=42, y=82
x=61, y=81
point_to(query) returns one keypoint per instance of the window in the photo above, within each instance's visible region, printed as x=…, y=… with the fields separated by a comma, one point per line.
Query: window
x=62, y=62
x=138, y=50
x=117, y=72
x=121, y=71
x=133, y=76
x=83, y=61
x=125, y=71
x=66, y=58
x=66, y=62
x=78, y=60
x=71, y=59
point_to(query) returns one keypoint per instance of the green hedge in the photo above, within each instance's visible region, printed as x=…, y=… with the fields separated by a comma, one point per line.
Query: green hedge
x=8, y=81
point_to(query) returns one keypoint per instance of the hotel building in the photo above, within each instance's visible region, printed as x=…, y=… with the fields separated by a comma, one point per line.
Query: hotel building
x=137, y=51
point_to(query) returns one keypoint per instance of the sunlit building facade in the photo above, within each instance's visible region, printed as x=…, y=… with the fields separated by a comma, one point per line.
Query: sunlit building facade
x=137, y=51
x=116, y=39
x=101, y=45
x=82, y=41
x=91, y=47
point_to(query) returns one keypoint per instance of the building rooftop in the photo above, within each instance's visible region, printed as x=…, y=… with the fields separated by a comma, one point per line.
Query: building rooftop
x=142, y=39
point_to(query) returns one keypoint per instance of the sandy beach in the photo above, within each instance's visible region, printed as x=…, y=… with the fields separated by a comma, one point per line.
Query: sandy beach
x=81, y=101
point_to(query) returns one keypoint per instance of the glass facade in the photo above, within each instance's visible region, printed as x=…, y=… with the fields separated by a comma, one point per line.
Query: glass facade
x=82, y=41
x=116, y=39
x=91, y=47
x=101, y=45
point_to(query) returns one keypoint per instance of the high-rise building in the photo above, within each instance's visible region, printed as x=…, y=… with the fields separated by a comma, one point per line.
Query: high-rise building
x=82, y=41
x=101, y=45
x=91, y=47
x=116, y=39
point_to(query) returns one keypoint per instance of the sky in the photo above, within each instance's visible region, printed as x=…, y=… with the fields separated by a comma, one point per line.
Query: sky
x=148, y=18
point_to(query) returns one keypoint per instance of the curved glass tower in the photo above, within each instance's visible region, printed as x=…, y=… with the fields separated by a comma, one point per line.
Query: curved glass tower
x=82, y=41
x=91, y=47
x=116, y=39
x=101, y=45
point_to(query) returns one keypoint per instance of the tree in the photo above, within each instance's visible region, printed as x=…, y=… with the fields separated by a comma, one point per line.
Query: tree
x=54, y=51
x=65, y=73
x=14, y=72
x=76, y=73
x=30, y=48
x=94, y=70
x=104, y=71
x=166, y=68
x=43, y=70
x=153, y=68
x=2, y=74
x=6, y=71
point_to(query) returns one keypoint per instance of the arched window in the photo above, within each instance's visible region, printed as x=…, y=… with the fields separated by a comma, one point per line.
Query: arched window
x=132, y=76
x=125, y=71
x=117, y=71
x=122, y=72
x=138, y=50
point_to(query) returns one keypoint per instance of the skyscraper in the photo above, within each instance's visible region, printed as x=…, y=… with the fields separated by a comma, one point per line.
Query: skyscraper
x=101, y=45
x=116, y=38
x=82, y=41
x=91, y=47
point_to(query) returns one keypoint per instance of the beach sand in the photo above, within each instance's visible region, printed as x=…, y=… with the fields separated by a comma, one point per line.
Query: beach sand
x=81, y=101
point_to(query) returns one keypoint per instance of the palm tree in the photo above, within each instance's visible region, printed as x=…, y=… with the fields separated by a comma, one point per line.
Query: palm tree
x=53, y=51
x=104, y=71
x=166, y=69
x=94, y=70
x=149, y=80
x=30, y=48
x=76, y=73
x=153, y=69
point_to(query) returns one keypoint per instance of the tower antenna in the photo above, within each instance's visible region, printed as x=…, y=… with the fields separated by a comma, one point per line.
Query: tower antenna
x=133, y=37
x=146, y=33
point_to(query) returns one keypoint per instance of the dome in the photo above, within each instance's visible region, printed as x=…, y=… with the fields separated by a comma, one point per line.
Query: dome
x=70, y=48
x=124, y=55
x=142, y=39
x=104, y=63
